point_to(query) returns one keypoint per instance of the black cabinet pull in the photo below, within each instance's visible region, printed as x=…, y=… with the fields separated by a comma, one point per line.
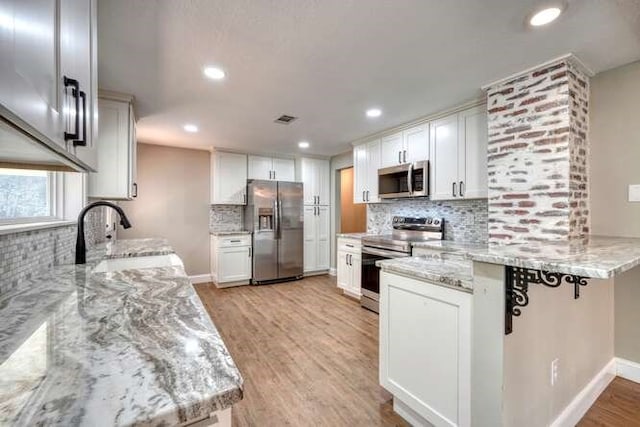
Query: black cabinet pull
x=399, y=156
x=461, y=189
x=404, y=156
x=75, y=92
x=453, y=191
x=364, y=196
x=368, y=199
x=249, y=251
x=135, y=190
x=83, y=142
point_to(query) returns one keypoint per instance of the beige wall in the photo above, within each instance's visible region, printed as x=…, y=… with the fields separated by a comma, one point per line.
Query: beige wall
x=615, y=163
x=173, y=202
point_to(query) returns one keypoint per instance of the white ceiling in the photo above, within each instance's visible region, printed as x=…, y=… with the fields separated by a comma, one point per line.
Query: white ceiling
x=327, y=61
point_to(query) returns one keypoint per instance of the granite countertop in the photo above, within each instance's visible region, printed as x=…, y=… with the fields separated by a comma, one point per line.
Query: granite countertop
x=118, y=348
x=449, y=245
x=356, y=235
x=596, y=257
x=450, y=270
x=228, y=233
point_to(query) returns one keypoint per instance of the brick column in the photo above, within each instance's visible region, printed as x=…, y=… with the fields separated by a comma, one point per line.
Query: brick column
x=537, y=155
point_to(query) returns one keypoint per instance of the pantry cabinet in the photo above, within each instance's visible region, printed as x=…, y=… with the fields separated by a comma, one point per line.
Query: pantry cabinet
x=458, y=145
x=316, y=239
x=349, y=266
x=366, y=162
x=271, y=168
x=409, y=146
x=228, y=178
x=116, y=150
x=315, y=175
x=425, y=348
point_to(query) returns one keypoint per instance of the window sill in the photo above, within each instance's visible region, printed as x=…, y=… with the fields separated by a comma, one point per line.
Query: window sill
x=31, y=226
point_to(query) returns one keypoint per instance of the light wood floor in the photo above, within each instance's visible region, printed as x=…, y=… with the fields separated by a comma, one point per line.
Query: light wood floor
x=309, y=355
x=618, y=405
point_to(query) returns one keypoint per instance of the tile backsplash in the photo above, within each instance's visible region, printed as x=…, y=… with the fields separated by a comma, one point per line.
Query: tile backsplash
x=226, y=218
x=464, y=220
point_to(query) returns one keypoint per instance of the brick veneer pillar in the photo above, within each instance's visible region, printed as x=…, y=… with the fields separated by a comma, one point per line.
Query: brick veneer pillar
x=537, y=155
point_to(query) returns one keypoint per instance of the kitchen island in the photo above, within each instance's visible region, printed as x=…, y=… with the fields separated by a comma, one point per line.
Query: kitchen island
x=526, y=338
x=129, y=347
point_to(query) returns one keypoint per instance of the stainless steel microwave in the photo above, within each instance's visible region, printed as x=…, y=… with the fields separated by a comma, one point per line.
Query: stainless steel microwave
x=408, y=180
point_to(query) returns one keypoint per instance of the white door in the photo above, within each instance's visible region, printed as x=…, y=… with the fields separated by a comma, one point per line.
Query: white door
x=343, y=271
x=391, y=150
x=324, y=242
x=310, y=238
x=373, y=164
x=356, y=274
x=284, y=169
x=229, y=178
x=360, y=173
x=309, y=177
x=323, y=181
x=444, y=158
x=473, y=153
x=260, y=167
x=416, y=143
x=234, y=264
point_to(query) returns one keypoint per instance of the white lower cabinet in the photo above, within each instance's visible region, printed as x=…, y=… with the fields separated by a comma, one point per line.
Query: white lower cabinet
x=231, y=258
x=316, y=239
x=425, y=349
x=349, y=266
x=220, y=418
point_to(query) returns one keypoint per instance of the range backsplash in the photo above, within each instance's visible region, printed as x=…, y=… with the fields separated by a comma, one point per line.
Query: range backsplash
x=464, y=220
x=226, y=218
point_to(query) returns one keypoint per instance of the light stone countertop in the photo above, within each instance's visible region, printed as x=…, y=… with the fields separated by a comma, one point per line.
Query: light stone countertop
x=357, y=236
x=449, y=246
x=595, y=257
x=119, y=348
x=229, y=233
x=450, y=270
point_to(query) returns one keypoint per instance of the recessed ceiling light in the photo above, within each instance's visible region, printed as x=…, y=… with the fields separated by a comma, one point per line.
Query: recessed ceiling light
x=303, y=144
x=545, y=16
x=191, y=128
x=374, y=112
x=214, y=73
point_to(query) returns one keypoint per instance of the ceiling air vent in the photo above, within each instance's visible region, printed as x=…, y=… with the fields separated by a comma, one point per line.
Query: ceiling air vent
x=285, y=119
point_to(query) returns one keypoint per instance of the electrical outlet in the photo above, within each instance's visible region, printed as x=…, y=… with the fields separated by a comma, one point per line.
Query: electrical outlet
x=634, y=193
x=555, y=366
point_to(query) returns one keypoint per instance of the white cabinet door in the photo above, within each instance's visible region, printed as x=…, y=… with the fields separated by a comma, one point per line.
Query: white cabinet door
x=391, y=150
x=373, y=164
x=260, y=167
x=323, y=250
x=343, y=271
x=416, y=143
x=310, y=238
x=234, y=264
x=444, y=158
x=355, y=264
x=228, y=178
x=472, y=164
x=323, y=181
x=425, y=348
x=308, y=175
x=115, y=153
x=284, y=169
x=360, y=173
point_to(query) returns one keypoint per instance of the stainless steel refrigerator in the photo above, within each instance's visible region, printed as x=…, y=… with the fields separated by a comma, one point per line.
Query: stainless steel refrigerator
x=275, y=216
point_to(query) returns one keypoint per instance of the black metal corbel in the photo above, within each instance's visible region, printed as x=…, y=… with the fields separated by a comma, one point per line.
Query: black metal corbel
x=517, y=281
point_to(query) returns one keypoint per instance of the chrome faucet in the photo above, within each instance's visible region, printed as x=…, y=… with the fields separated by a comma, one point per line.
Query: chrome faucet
x=81, y=249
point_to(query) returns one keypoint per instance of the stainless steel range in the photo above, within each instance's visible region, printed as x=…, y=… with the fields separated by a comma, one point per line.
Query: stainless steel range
x=406, y=231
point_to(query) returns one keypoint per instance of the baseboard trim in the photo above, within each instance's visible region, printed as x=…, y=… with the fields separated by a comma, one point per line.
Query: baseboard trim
x=333, y=271
x=628, y=370
x=200, y=278
x=579, y=406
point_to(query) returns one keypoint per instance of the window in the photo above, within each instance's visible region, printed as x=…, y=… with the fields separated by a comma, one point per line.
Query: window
x=26, y=195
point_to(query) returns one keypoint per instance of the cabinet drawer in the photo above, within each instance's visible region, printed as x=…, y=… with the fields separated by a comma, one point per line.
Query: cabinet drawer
x=231, y=241
x=349, y=245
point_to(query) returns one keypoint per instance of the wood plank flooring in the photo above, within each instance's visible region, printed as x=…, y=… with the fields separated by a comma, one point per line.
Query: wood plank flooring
x=309, y=355
x=618, y=405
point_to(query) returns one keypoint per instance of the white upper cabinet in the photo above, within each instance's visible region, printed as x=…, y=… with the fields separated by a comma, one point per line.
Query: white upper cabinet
x=459, y=155
x=391, y=150
x=366, y=162
x=315, y=175
x=269, y=168
x=116, y=151
x=228, y=178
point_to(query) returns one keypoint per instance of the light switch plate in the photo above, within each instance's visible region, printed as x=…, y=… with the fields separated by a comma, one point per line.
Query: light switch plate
x=634, y=193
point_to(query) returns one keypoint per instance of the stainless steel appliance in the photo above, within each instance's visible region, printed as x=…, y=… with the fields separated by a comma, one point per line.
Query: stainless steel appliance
x=274, y=214
x=408, y=180
x=406, y=231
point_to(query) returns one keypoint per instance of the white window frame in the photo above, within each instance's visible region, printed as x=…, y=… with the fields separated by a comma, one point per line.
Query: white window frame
x=54, y=207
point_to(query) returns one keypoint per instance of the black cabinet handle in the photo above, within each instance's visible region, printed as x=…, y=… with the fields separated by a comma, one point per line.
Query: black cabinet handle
x=453, y=191
x=461, y=189
x=135, y=190
x=364, y=196
x=82, y=142
x=75, y=92
x=399, y=156
x=368, y=198
x=404, y=156
x=249, y=251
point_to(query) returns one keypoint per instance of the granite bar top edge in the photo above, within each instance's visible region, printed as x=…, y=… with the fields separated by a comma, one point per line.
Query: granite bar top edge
x=454, y=273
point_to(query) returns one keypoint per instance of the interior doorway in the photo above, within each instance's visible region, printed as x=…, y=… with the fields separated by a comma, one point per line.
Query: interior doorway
x=353, y=217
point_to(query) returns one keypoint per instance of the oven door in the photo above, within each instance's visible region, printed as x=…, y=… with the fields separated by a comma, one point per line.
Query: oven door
x=370, y=280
